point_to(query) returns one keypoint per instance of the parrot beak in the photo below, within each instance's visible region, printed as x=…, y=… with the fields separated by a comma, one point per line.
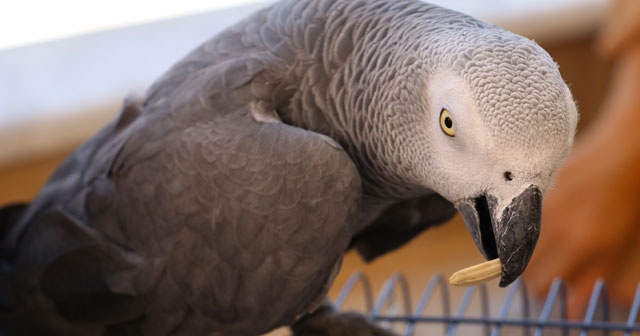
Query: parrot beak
x=512, y=237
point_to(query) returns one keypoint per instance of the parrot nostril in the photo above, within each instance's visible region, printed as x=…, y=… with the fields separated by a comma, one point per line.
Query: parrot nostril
x=508, y=176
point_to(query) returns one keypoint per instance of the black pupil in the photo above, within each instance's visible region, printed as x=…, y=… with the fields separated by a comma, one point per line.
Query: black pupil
x=448, y=122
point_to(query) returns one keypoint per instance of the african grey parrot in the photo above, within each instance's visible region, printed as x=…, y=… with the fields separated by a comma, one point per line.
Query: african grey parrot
x=223, y=201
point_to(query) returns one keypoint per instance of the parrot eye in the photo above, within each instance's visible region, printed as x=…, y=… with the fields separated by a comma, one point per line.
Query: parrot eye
x=446, y=123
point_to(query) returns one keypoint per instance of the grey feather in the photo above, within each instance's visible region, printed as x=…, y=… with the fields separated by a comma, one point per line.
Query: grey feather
x=223, y=201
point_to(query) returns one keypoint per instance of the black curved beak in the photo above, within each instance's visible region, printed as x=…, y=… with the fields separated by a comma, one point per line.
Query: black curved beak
x=512, y=237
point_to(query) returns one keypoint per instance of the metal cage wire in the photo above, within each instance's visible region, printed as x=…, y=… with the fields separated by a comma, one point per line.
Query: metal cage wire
x=394, y=307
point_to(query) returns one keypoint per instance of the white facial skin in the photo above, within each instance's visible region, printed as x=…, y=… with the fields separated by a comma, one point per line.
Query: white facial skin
x=474, y=162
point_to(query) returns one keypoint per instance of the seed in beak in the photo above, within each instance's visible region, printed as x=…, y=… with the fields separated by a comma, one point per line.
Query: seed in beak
x=477, y=274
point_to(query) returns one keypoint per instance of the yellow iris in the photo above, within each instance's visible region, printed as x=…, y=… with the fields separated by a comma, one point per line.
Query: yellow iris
x=446, y=123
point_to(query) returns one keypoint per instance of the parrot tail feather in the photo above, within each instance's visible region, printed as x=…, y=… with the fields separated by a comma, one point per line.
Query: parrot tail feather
x=9, y=216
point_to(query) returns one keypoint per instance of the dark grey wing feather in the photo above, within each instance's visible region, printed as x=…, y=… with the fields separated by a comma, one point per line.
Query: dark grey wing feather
x=227, y=224
x=9, y=215
x=400, y=223
x=71, y=178
x=59, y=279
x=81, y=285
x=252, y=217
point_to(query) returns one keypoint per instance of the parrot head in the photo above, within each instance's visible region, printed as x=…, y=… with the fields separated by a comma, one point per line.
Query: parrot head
x=444, y=103
x=490, y=121
x=501, y=124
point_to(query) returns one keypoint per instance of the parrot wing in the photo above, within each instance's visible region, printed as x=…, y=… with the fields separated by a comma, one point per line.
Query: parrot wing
x=253, y=217
x=401, y=222
x=240, y=219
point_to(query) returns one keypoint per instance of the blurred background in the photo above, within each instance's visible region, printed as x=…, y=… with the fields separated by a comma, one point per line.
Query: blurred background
x=65, y=67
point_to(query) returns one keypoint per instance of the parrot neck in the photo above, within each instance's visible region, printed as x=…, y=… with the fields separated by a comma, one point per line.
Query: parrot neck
x=340, y=86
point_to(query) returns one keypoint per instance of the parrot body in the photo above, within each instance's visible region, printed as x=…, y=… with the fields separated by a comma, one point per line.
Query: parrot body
x=223, y=201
